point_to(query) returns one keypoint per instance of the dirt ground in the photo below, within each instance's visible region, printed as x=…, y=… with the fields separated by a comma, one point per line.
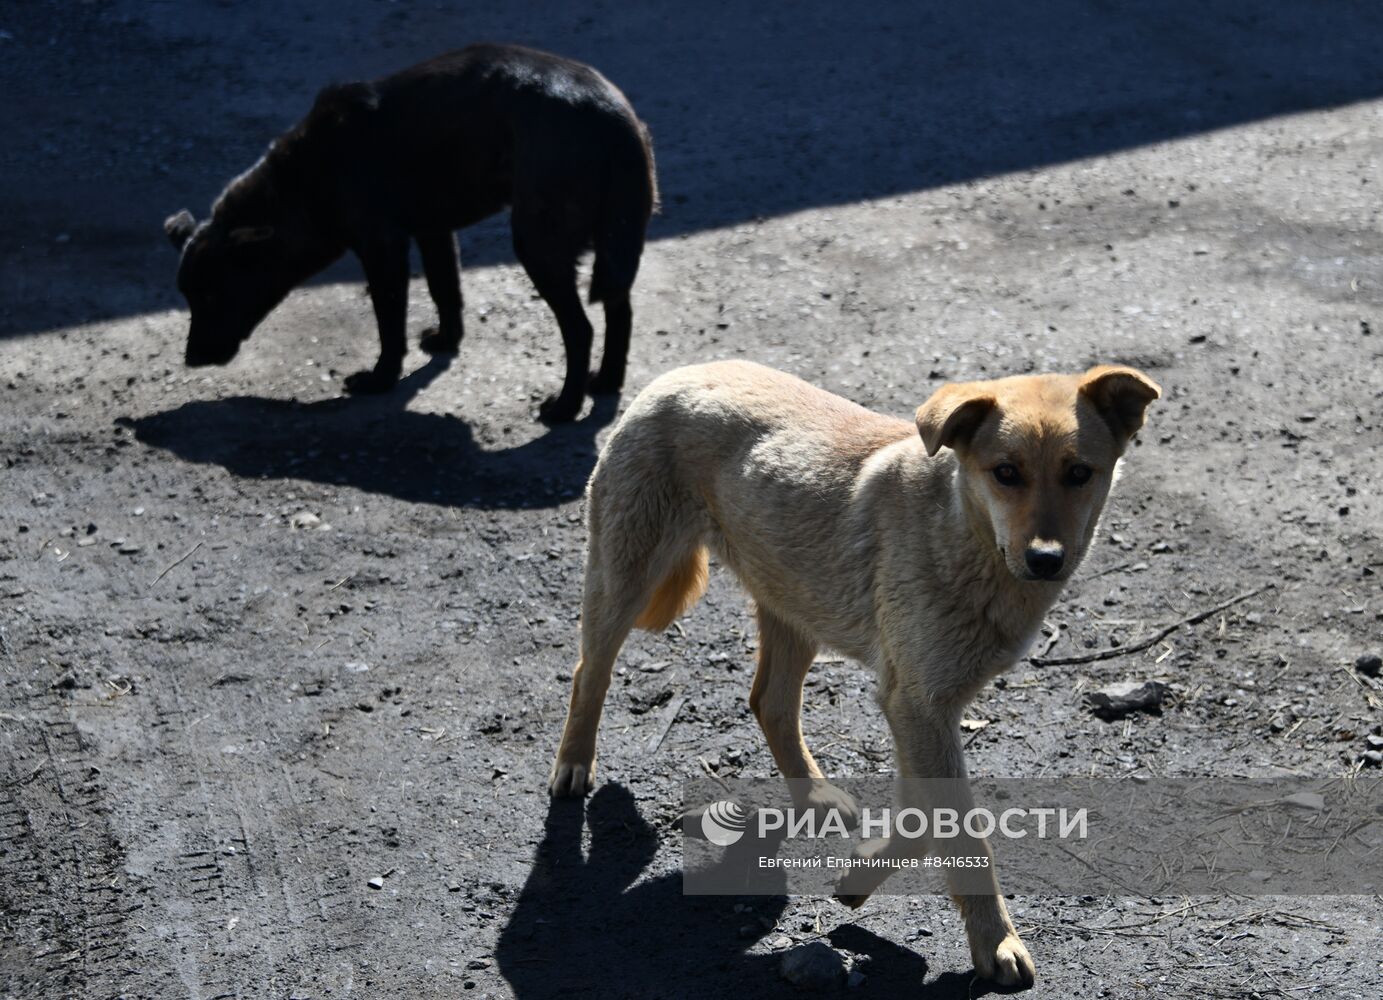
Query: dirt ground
x=261, y=644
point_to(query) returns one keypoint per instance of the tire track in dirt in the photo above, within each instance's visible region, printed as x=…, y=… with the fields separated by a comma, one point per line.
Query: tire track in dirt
x=66, y=900
x=250, y=897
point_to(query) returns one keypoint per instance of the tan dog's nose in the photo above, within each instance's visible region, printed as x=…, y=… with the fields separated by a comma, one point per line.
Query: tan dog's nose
x=1044, y=559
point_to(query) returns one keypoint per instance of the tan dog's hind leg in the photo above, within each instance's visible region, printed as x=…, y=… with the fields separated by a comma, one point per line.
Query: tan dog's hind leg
x=632, y=577
x=605, y=623
x=931, y=765
x=785, y=657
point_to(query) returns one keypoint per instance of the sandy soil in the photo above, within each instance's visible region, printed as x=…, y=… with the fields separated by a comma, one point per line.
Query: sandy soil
x=261, y=644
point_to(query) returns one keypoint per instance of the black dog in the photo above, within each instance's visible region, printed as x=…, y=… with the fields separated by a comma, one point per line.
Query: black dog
x=418, y=155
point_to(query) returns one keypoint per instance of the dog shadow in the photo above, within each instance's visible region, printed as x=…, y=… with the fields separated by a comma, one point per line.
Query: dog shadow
x=375, y=444
x=592, y=925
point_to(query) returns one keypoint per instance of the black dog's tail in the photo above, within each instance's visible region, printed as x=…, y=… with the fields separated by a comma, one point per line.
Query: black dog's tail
x=630, y=197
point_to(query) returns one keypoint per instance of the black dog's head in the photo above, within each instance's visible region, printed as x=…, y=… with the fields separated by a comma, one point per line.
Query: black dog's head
x=267, y=232
x=231, y=277
x=261, y=241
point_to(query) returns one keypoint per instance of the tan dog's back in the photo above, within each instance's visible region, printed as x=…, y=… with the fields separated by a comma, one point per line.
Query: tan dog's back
x=749, y=406
x=756, y=464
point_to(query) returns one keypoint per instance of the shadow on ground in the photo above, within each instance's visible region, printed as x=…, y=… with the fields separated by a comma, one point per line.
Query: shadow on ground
x=375, y=444
x=756, y=110
x=587, y=926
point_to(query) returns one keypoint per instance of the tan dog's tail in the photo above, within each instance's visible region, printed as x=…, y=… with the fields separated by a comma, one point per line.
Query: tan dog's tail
x=679, y=590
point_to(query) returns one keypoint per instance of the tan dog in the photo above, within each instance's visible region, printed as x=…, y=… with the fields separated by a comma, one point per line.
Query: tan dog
x=929, y=551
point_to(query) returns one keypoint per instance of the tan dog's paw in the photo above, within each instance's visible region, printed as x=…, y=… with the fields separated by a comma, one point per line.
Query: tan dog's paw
x=856, y=885
x=571, y=779
x=824, y=797
x=853, y=901
x=1007, y=963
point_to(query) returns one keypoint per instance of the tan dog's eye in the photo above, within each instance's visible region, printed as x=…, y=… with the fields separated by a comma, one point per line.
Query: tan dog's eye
x=1008, y=474
x=1078, y=475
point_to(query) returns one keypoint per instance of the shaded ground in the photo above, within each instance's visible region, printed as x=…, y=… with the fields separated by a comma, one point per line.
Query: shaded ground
x=221, y=717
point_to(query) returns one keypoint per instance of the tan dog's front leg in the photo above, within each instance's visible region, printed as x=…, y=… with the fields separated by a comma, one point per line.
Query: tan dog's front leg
x=932, y=777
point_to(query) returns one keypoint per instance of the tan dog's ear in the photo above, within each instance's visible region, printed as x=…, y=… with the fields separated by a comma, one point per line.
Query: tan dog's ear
x=953, y=414
x=1120, y=395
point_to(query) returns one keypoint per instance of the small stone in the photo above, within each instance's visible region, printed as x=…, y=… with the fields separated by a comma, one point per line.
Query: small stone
x=1374, y=742
x=364, y=706
x=813, y=966
x=376, y=883
x=1370, y=664
x=303, y=521
x=1123, y=700
x=1373, y=758
x=478, y=963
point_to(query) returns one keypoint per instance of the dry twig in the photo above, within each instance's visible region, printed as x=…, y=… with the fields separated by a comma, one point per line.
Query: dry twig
x=175, y=563
x=1052, y=638
x=1155, y=638
x=669, y=717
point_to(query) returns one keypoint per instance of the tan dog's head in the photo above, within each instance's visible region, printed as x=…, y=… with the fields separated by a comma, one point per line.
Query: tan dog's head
x=1037, y=456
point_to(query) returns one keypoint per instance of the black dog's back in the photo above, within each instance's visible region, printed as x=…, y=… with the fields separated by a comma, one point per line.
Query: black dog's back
x=417, y=155
x=507, y=123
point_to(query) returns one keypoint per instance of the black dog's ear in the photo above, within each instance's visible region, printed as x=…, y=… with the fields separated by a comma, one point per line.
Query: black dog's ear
x=953, y=414
x=180, y=228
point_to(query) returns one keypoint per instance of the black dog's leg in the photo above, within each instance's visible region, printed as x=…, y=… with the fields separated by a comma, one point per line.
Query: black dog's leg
x=552, y=267
x=442, y=267
x=386, y=271
x=619, y=319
